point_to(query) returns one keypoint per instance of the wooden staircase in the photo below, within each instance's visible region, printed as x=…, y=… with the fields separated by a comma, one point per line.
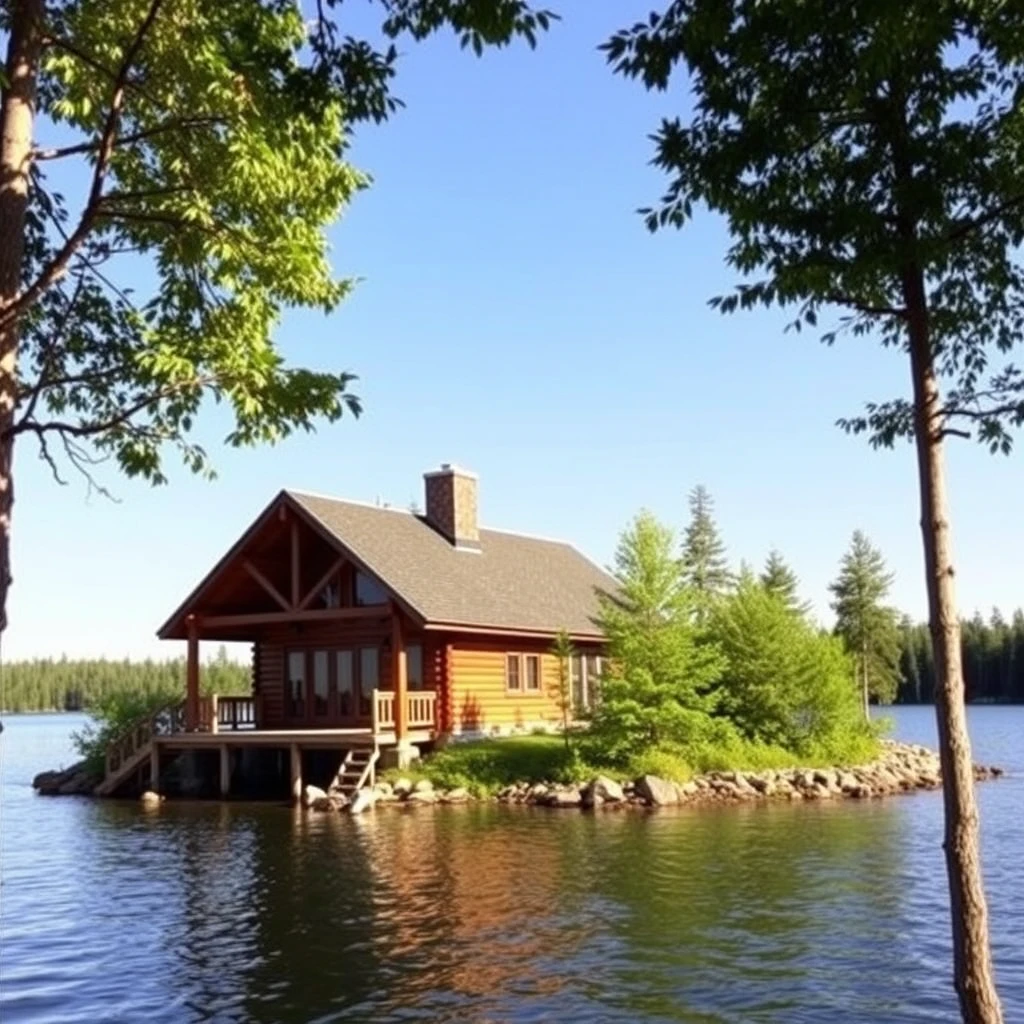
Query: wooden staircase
x=132, y=749
x=355, y=772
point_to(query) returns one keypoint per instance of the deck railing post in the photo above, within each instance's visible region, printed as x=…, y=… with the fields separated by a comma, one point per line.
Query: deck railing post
x=214, y=713
x=374, y=714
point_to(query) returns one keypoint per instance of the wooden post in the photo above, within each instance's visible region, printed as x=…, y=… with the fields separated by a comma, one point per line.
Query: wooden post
x=192, y=676
x=154, y=767
x=399, y=679
x=225, y=769
x=296, y=764
x=214, y=713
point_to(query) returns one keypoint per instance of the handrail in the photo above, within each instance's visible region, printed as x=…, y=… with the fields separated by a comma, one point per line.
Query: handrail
x=234, y=713
x=421, y=705
x=161, y=722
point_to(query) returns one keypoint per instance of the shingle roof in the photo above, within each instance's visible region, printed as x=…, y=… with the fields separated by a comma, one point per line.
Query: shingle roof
x=514, y=582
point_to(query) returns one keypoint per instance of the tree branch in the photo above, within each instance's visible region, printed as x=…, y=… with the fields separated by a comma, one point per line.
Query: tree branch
x=58, y=266
x=127, y=140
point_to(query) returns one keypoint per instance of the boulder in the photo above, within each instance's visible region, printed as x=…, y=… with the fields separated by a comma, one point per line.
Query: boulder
x=150, y=799
x=362, y=801
x=322, y=803
x=422, y=796
x=423, y=786
x=602, y=790
x=311, y=794
x=563, y=797
x=402, y=787
x=459, y=795
x=688, y=790
x=655, y=791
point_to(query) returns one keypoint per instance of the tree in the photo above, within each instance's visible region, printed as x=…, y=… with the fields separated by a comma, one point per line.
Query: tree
x=779, y=579
x=705, y=567
x=867, y=158
x=868, y=627
x=784, y=683
x=564, y=651
x=217, y=175
x=659, y=684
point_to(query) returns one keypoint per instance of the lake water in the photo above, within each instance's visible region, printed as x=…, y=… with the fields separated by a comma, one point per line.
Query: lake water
x=244, y=912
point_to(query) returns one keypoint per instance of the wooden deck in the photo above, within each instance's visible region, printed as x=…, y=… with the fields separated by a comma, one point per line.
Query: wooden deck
x=231, y=722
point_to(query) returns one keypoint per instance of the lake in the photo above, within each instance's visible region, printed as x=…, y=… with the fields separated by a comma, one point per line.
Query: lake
x=246, y=912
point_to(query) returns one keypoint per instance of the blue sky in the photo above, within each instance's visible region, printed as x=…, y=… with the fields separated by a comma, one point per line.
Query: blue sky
x=514, y=316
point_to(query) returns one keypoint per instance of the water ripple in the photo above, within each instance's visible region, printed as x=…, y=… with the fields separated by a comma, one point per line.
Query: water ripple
x=206, y=912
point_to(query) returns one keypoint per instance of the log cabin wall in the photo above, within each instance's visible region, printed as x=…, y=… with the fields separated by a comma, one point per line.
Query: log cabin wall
x=270, y=659
x=480, y=701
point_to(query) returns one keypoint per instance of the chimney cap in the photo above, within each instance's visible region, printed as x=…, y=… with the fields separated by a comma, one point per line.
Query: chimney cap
x=451, y=469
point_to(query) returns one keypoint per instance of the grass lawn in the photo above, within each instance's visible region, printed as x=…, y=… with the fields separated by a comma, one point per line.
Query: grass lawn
x=483, y=766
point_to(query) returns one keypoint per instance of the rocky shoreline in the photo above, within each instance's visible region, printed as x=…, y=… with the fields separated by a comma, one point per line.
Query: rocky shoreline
x=902, y=768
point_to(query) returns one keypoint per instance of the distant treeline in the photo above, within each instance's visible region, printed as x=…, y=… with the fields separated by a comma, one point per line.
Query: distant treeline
x=46, y=684
x=993, y=660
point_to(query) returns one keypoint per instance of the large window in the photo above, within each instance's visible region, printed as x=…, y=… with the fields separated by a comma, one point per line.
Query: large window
x=369, y=677
x=523, y=673
x=346, y=682
x=585, y=680
x=414, y=666
x=368, y=591
x=297, y=684
x=321, y=683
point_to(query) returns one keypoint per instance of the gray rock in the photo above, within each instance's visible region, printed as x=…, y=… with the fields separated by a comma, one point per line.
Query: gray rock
x=563, y=797
x=459, y=795
x=311, y=794
x=322, y=803
x=423, y=786
x=362, y=801
x=402, y=786
x=422, y=796
x=655, y=791
x=150, y=799
x=602, y=790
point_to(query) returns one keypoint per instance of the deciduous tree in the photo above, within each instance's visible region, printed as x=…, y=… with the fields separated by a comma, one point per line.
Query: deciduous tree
x=167, y=173
x=868, y=158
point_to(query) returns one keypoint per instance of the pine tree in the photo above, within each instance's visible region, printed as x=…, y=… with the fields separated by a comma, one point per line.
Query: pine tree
x=705, y=567
x=868, y=627
x=779, y=579
x=660, y=681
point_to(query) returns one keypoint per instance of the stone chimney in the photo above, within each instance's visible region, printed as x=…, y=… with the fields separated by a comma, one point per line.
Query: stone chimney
x=450, y=495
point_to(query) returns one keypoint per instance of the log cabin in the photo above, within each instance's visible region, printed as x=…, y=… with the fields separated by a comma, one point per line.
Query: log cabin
x=376, y=633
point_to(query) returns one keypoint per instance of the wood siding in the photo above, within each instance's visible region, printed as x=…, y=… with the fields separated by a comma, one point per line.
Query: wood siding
x=479, y=699
x=270, y=659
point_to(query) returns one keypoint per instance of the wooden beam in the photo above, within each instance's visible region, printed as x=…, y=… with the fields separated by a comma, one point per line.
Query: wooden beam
x=265, y=583
x=295, y=563
x=213, y=622
x=399, y=678
x=192, y=675
x=154, y=766
x=321, y=583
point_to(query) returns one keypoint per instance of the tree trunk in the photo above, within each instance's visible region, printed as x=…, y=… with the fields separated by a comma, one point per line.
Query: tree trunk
x=972, y=959
x=17, y=112
x=864, y=682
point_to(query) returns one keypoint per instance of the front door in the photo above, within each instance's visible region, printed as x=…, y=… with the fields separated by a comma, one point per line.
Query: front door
x=331, y=689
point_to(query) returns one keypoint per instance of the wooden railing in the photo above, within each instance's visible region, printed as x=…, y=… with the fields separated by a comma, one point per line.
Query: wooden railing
x=233, y=713
x=420, y=706
x=163, y=722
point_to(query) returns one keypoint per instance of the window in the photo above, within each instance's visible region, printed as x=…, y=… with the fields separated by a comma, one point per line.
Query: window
x=345, y=670
x=321, y=668
x=369, y=677
x=414, y=666
x=330, y=596
x=585, y=681
x=368, y=591
x=532, y=673
x=512, y=678
x=297, y=684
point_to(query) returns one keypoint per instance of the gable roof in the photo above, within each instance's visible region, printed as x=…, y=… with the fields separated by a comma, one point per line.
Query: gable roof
x=514, y=582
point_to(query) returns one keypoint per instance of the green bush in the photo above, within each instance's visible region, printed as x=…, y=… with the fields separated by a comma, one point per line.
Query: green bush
x=112, y=715
x=663, y=762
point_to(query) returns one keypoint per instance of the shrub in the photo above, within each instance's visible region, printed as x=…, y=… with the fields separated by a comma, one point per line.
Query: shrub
x=112, y=715
x=663, y=762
